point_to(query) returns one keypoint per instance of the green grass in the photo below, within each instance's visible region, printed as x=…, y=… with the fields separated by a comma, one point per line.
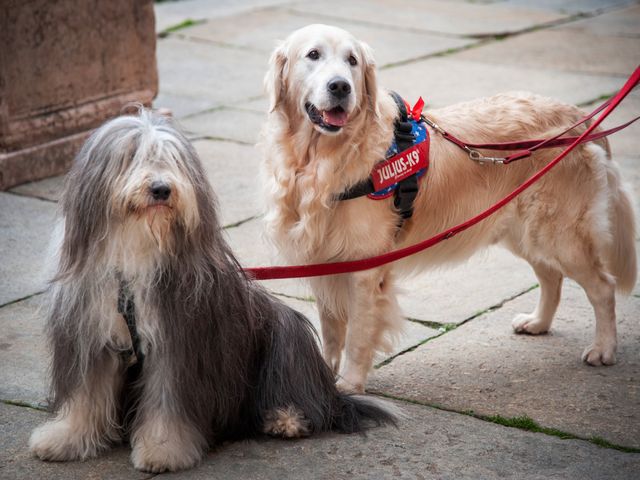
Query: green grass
x=521, y=422
x=18, y=403
x=441, y=327
x=525, y=423
x=240, y=222
x=308, y=298
x=601, y=98
x=180, y=26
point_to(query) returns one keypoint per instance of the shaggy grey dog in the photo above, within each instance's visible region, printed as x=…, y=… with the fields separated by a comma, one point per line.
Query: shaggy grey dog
x=222, y=358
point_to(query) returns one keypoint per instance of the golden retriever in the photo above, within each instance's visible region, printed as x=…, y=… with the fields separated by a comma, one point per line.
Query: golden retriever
x=330, y=123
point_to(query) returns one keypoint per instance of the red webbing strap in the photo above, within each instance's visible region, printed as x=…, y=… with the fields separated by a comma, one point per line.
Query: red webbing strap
x=314, y=270
x=527, y=147
x=526, y=144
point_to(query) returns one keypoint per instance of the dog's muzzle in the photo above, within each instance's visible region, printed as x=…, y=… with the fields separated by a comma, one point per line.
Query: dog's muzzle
x=335, y=117
x=160, y=191
x=339, y=88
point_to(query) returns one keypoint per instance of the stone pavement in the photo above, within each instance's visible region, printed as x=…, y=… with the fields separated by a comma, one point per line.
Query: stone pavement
x=481, y=402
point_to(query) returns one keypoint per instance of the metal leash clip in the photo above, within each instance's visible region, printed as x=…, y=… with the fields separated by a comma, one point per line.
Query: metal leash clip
x=476, y=156
x=433, y=125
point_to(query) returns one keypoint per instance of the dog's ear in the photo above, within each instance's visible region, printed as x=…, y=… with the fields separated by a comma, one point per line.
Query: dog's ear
x=274, y=79
x=370, y=81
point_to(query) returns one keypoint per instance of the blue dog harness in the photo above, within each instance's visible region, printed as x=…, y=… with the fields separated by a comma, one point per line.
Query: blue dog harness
x=407, y=160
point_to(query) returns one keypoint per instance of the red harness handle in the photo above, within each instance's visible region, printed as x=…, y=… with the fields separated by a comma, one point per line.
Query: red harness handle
x=318, y=269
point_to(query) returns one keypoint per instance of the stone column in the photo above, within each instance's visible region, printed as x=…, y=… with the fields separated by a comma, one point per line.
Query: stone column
x=66, y=66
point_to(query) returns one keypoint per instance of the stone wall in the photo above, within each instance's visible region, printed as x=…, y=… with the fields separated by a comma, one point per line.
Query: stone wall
x=65, y=67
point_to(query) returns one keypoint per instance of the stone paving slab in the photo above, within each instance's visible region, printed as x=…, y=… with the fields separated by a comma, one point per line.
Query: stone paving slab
x=413, y=333
x=483, y=366
x=47, y=189
x=232, y=170
x=182, y=105
x=429, y=444
x=26, y=225
x=621, y=22
x=625, y=143
x=259, y=104
x=17, y=463
x=452, y=295
x=23, y=352
x=172, y=13
x=444, y=81
x=228, y=123
x=253, y=250
x=571, y=6
x=262, y=28
x=563, y=50
x=196, y=76
x=435, y=16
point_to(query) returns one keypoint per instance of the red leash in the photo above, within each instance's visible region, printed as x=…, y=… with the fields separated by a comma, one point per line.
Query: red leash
x=319, y=269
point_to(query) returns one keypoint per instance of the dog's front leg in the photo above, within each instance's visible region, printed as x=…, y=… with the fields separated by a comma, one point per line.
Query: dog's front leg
x=86, y=422
x=374, y=322
x=162, y=438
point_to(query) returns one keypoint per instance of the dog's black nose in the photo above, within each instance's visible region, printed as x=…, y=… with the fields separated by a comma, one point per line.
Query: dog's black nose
x=339, y=87
x=160, y=190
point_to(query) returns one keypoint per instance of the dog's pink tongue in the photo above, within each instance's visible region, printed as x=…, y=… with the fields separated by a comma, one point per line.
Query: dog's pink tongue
x=336, y=117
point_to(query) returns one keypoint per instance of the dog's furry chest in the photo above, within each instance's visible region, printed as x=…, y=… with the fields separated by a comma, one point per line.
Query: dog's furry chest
x=347, y=230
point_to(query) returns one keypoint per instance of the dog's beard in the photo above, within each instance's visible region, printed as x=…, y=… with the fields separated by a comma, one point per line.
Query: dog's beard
x=159, y=221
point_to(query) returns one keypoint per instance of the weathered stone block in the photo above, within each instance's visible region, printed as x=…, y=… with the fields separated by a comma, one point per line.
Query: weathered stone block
x=66, y=67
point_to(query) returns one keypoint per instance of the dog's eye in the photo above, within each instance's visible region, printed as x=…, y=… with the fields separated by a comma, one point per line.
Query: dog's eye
x=313, y=54
x=352, y=61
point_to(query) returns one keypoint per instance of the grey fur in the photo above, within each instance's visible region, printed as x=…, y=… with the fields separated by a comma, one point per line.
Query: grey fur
x=221, y=353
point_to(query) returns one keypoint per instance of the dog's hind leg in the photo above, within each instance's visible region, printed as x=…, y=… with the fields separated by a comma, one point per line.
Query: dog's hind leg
x=600, y=289
x=86, y=422
x=539, y=321
x=374, y=322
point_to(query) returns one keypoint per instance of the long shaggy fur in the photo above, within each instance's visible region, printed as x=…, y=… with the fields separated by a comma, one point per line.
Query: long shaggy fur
x=223, y=358
x=577, y=221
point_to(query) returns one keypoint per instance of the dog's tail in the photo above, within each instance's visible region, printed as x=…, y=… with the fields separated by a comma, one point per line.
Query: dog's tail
x=622, y=257
x=298, y=394
x=358, y=412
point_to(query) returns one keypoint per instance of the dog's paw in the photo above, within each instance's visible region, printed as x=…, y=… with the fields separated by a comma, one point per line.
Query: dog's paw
x=160, y=446
x=57, y=441
x=157, y=457
x=348, y=387
x=597, y=355
x=529, y=323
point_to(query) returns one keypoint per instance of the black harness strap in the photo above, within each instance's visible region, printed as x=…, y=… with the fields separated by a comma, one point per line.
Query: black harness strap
x=127, y=309
x=360, y=189
x=407, y=189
